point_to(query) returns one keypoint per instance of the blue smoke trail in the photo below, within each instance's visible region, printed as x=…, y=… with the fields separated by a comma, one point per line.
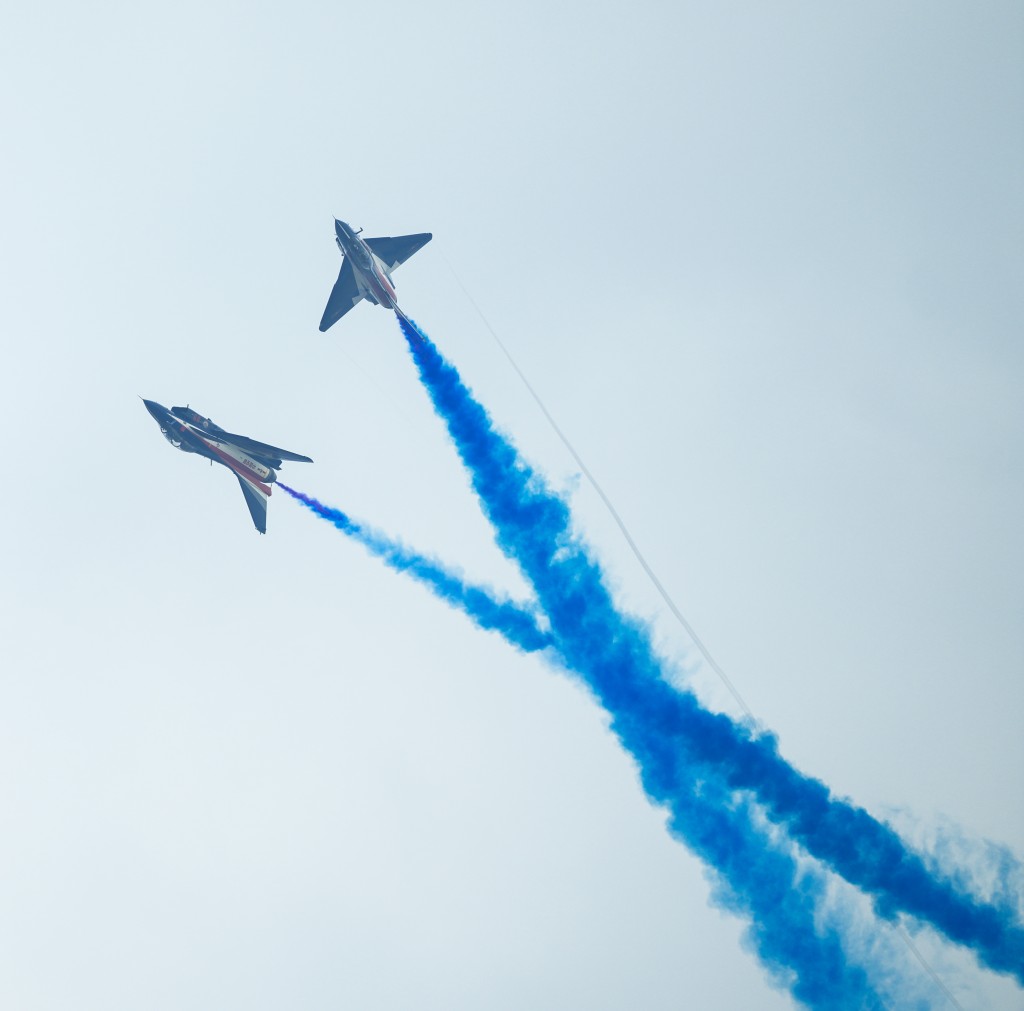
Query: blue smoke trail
x=763, y=881
x=615, y=656
x=515, y=623
x=754, y=876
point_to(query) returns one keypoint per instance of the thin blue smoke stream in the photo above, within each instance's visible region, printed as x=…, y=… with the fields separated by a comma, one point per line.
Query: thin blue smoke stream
x=753, y=876
x=515, y=623
x=615, y=655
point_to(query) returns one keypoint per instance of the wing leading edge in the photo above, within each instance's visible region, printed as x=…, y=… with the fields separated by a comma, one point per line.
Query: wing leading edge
x=257, y=448
x=395, y=251
x=344, y=295
x=256, y=499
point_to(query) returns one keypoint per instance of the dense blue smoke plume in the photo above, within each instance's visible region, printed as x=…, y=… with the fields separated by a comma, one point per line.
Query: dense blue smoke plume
x=753, y=876
x=666, y=728
x=515, y=623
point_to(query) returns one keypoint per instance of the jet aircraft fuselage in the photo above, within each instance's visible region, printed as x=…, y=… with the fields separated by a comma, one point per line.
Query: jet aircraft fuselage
x=372, y=277
x=366, y=270
x=255, y=464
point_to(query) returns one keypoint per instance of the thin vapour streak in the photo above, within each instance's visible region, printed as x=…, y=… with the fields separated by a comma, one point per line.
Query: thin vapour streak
x=614, y=653
x=515, y=623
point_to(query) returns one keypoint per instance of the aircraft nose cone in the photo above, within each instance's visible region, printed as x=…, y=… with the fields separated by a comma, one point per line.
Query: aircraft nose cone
x=157, y=410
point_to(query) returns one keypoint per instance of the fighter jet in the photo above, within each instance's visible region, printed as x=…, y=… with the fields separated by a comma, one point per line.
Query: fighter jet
x=255, y=464
x=366, y=270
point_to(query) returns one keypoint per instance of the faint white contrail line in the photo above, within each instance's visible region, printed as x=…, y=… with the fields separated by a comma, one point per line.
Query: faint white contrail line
x=901, y=931
x=915, y=951
x=669, y=602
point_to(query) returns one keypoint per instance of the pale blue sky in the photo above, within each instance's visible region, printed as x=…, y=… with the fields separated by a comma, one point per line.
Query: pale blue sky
x=763, y=263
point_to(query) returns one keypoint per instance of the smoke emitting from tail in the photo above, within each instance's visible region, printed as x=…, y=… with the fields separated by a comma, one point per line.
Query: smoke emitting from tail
x=515, y=623
x=615, y=657
x=753, y=876
x=718, y=780
x=761, y=880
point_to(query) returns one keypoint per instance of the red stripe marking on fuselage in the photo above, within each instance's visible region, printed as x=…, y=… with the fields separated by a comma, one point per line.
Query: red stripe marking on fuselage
x=385, y=288
x=230, y=461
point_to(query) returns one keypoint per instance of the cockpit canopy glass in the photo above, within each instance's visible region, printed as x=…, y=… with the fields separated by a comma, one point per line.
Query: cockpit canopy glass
x=195, y=418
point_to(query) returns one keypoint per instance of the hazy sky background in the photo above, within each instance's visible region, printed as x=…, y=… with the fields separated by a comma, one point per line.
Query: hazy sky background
x=763, y=263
